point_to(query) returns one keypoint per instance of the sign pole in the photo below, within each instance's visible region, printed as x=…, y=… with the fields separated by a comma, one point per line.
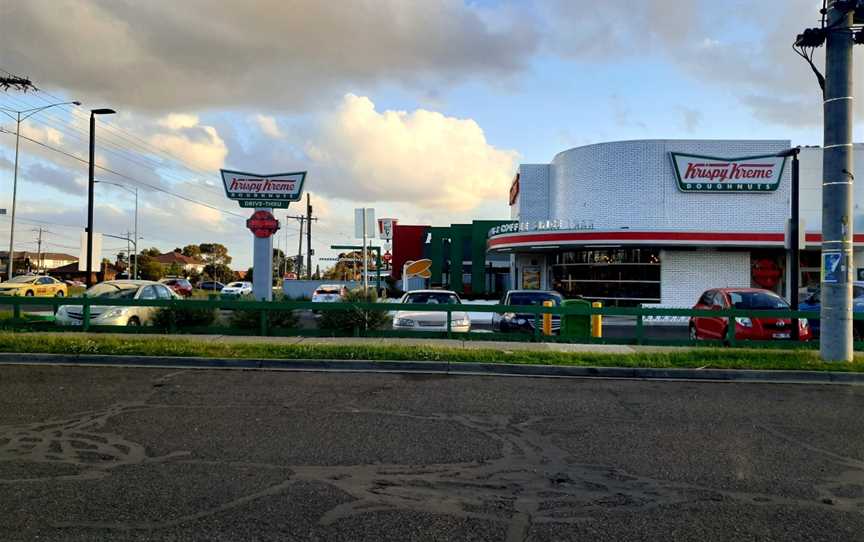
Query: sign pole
x=262, y=260
x=365, y=258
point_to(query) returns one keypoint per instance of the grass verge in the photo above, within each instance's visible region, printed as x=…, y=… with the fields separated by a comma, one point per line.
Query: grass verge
x=716, y=358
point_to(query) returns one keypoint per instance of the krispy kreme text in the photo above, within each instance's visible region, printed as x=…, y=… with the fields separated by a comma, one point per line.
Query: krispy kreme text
x=712, y=174
x=251, y=187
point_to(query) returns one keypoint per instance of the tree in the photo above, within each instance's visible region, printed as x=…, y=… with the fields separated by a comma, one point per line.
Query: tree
x=178, y=250
x=175, y=270
x=219, y=272
x=152, y=251
x=148, y=269
x=193, y=251
x=249, y=275
x=215, y=253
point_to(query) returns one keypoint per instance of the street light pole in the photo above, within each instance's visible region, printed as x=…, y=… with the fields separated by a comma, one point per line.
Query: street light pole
x=90, y=185
x=18, y=118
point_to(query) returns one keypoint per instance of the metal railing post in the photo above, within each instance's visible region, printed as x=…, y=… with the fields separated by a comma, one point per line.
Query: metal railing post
x=640, y=329
x=16, y=309
x=449, y=324
x=730, y=330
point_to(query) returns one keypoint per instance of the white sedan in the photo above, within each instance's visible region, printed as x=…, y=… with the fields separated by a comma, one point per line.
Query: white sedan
x=73, y=315
x=329, y=293
x=236, y=289
x=431, y=321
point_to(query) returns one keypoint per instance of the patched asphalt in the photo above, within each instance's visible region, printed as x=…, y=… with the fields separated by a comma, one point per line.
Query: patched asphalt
x=100, y=453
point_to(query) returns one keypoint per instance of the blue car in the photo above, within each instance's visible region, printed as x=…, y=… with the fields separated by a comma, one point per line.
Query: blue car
x=813, y=303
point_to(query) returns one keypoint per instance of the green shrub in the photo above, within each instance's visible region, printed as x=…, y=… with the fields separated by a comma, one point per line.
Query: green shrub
x=348, y=320
x=251, y=318
x=179, y=317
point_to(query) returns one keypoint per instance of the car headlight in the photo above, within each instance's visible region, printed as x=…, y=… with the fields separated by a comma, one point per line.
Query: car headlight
x=803, y=323
x=404, y=322
x=114, y=313
x=461, y=322
x=520, y=321
x=508, y=316
x=743, y=321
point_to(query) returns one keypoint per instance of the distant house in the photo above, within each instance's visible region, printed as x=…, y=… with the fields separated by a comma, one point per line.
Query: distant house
x=187, y=263
x=70, y=272
x=36, y=262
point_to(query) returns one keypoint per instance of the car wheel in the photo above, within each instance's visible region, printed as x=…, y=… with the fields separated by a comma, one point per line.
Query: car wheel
x=134, y=322
x=59, y=293
x=29, y=293
x=693, y=335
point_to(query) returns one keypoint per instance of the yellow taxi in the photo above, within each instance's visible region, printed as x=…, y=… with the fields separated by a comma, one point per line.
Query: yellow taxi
x=33, y=285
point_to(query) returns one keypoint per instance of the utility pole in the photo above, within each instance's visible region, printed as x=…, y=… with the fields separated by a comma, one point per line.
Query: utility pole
x=305, y=222
x=308, y=237
x=837, y=265
x=39, y=251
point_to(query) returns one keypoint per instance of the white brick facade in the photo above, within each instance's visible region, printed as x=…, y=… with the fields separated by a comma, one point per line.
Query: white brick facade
x=684, y=275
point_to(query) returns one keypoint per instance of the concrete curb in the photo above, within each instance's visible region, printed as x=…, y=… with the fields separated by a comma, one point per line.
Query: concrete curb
x=441, y=367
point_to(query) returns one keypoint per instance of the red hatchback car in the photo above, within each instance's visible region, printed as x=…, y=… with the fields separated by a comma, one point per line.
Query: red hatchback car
x=181, y=287
x=746, y=329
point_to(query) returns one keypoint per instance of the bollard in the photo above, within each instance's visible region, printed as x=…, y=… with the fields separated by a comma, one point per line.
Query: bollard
x=597, y=321
x=547, y=318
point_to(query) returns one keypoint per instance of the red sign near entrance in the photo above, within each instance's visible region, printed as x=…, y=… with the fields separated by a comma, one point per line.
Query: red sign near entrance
x=387, y=257
x=263, y=224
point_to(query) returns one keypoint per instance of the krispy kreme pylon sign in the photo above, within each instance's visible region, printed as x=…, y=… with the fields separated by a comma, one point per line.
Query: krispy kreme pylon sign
x=695, y=173
x=268, y=191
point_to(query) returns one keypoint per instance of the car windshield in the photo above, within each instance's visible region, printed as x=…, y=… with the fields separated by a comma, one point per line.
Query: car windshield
x=757, y=301
x=327, y=291
x=23, y=279
x=108, y=290
x=532, y=298
x=236, y=285
x=432, y=298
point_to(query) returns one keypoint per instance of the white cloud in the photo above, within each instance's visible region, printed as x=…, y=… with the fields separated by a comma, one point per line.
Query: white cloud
x=178, y=121
x=198, y=146
x=42, y=134
x=268, y=126
x=422, y=157
x=198, y=54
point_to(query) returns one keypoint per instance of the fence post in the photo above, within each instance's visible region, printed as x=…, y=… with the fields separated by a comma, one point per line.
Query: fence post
x=85, y=324
x=640, y=330
x=16, y=309
x=449, y=324
x=730, y=330
x=263, y=322
x=537, y=327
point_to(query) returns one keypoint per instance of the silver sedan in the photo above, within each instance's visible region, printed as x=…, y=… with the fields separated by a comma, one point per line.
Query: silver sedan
x=100, y=315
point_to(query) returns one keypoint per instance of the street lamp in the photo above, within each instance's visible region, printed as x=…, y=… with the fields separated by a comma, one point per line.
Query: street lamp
x=90, y=185
x=134, y=191
x=19, y=116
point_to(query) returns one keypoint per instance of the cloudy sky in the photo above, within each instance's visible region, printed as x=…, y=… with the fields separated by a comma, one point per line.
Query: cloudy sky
x=420, y=109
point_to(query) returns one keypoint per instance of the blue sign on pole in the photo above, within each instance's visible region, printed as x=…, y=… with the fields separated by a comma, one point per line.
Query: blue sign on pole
x=831, y=266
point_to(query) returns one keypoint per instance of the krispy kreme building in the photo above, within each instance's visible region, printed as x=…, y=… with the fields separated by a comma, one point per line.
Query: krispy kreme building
x=659, y=221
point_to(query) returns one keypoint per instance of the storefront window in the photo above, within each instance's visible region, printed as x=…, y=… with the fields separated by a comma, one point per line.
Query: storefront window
x=615, y=276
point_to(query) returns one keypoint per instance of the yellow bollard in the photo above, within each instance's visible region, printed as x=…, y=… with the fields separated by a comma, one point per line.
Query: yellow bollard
x=547, y=319
x=597, y=321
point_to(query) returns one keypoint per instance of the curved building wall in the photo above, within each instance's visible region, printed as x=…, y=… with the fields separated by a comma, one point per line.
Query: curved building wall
x=632, y=184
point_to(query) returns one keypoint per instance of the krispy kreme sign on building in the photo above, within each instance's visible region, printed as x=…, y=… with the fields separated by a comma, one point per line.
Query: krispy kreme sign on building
x=695, y=173
x=253, y=190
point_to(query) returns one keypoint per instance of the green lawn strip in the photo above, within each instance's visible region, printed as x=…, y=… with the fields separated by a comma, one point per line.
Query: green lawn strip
x=729, y=358
x=10, y=315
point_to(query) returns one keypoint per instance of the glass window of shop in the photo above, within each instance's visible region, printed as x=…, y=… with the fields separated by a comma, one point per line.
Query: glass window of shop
x=616, y=276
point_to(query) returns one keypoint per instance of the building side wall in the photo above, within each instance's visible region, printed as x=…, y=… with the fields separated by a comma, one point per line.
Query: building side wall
x=533, y=201
x=632, y=185
x=685, y=274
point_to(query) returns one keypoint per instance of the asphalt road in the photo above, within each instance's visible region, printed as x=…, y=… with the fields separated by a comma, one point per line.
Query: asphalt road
x=149, y=454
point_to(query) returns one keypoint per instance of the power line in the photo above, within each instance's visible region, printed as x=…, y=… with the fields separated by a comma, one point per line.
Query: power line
x=127, y=177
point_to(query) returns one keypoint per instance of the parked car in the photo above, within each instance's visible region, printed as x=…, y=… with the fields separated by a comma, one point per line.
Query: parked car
x=417, y=320
x=181, y=287
x=813, y=302
x=212, y=285
x=746, y=328
x=75, y=283
x=73, y=315
x=33, y=285
x=509, y=322
x=237, y=289
x=329, y=293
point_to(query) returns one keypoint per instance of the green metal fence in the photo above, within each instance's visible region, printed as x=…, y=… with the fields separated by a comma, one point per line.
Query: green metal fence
x=21, y=318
